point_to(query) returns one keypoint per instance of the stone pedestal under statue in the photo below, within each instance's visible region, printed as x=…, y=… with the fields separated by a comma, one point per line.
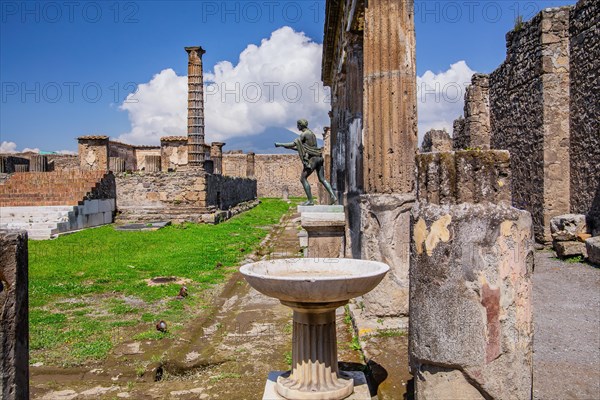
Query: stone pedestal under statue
x=325, y=226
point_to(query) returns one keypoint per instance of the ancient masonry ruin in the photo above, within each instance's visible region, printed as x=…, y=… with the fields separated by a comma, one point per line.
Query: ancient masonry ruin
x=543, y=105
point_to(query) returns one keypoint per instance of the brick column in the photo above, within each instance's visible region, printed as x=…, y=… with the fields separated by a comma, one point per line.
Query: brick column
x=250, y=165
x=390, y=101
x=195, y=108
x=93, y=152
x=216, y=155
x=14, y=316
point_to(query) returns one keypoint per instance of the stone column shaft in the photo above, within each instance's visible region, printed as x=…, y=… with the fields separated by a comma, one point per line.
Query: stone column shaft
x=195, y=108
x=390, y=120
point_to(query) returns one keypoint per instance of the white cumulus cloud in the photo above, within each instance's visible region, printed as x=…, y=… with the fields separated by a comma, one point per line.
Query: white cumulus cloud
x=440, y=97
x=272, y=85
x=8, y=147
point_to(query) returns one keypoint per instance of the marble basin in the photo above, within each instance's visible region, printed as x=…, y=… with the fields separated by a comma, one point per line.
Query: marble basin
x=314, y=280
x=314, y=288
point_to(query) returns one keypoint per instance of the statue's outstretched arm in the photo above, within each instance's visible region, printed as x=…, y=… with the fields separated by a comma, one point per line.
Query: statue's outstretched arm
x=291, y=145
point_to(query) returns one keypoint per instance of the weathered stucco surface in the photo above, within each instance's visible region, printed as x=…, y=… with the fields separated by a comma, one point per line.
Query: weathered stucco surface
x=471, y=331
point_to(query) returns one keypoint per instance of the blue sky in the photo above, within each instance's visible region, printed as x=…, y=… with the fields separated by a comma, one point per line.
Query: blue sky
x=66, y=69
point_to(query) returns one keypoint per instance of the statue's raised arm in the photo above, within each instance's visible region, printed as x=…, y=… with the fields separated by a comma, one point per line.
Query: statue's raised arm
x=312, y=160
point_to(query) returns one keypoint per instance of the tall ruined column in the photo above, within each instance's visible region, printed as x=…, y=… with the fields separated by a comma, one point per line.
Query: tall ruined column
x=250, y=166
x=195, y=108
x=216, y=154
x=390, y=101
x=390, y=144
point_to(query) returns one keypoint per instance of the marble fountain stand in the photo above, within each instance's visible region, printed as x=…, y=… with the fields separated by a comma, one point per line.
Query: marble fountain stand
x=325, y=228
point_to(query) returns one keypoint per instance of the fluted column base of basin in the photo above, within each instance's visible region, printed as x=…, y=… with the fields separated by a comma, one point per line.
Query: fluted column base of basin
x=315, y=374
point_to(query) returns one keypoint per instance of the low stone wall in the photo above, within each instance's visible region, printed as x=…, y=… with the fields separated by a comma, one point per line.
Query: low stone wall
x=178, y=196
x=161, y=196
x=225, y=192
x=14, y=316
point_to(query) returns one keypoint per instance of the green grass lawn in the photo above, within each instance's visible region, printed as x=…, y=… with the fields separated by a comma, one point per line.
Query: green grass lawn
x=88, y=291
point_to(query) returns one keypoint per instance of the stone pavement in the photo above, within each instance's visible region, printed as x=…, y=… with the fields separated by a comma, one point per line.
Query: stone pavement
x=566, y=301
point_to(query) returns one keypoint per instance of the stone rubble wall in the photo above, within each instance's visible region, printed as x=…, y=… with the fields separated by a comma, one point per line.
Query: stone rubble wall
x=585, y=111
x=529, y=115
x=179, y=196
x=159, y=196
x=14, y=316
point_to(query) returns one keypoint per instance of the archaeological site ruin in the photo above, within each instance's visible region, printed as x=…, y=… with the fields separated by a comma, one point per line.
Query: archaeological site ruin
x=453, y=263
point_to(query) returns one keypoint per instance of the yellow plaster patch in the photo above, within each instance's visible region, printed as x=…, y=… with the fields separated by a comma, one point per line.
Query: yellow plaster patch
x=439, y=232
x=506, y=228
x=364, y=331
x=420, y=234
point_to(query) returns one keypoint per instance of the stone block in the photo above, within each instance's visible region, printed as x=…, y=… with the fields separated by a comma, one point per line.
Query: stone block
x=567, y=227
x=90, y=207
x=105, y=205
x=570, y=249
x=94, y=220
x=593, y=250
x=326, y=233
x=108, y=217
x=471, y=322
x=14, y=316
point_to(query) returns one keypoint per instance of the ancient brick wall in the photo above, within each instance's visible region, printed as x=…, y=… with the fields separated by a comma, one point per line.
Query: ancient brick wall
x=58, y=188
x=585, y=110
x=529, y=103
x=225, y=192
